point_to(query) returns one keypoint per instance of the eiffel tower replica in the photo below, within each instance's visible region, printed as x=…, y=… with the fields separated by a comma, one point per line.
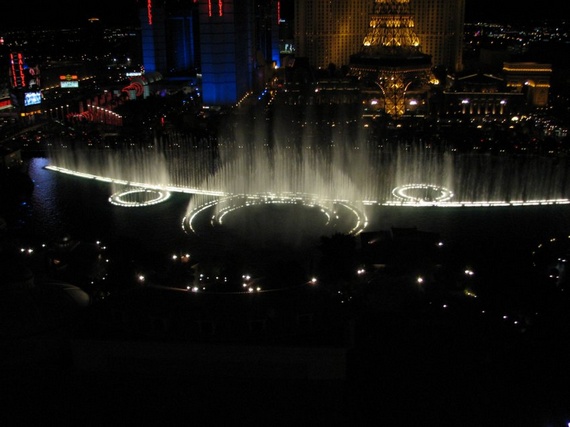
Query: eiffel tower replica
x=390, y=60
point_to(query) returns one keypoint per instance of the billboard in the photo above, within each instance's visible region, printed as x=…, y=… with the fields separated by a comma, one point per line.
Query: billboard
x=68, y=81
x=32, y=98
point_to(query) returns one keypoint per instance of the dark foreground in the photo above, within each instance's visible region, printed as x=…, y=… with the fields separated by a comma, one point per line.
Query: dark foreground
x=399, y=372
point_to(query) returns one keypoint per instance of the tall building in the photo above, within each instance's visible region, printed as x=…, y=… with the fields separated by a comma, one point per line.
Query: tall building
x=169, y=36
x=233, y=44
x=153, y=38
x=226, y=50
x=390, y=64
x=239, y=43
x=328, y=32
x=267, y=30
x=439, y=27
x=182, y=37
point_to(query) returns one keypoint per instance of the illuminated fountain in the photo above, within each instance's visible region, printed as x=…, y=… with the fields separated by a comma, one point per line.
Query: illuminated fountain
x=338, y=179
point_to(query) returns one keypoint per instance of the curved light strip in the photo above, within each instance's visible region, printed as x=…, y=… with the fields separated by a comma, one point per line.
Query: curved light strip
x=265, y=200
x=170, y=188
x=403, y=193
x=405, y=203
x=239, y=202
x=118, y=198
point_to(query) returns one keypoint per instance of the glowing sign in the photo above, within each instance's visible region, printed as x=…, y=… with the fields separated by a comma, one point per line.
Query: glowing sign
x=17, y=70
x=68, y=80
x=32, y=98
x=220, y=8
x=149, y=11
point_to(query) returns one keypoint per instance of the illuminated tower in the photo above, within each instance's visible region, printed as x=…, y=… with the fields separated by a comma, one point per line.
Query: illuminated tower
x=328, y=31
x=391, y=59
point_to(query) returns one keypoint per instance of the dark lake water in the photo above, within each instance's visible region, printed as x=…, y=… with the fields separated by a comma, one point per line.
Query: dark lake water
x=497, y=241
x=63, y=203
x=79, y=207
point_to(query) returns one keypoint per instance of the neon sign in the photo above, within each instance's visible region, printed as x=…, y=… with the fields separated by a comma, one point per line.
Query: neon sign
x=220, y=8
x=17, y=68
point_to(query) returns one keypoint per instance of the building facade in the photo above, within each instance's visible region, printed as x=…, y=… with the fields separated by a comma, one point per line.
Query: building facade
x=233, y=43
x=328, y=32
x=439, y=26
x=530, y=78
x=153, y=38
x=227, y=60
x=521, y=87
x=169, y=36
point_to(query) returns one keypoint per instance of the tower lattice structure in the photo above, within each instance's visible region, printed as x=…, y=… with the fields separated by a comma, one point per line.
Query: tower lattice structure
x=391, y=28
x=390, y=57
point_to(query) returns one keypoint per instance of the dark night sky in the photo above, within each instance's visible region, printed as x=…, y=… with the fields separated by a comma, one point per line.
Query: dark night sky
x=505, y=11
x=57, y=13
x=70, y=13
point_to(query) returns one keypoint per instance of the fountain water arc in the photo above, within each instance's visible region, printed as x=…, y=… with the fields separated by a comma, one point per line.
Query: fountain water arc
x=235, y=173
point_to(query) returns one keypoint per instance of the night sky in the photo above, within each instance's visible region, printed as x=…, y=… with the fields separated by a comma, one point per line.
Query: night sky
x=69, y=13
x=506, y=11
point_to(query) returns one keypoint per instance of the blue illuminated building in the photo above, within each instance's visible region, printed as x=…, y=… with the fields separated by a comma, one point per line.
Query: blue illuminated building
x=233, y=43
x=169, y=36
x=226, y=49
x=153, y=40
x=182, y=35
